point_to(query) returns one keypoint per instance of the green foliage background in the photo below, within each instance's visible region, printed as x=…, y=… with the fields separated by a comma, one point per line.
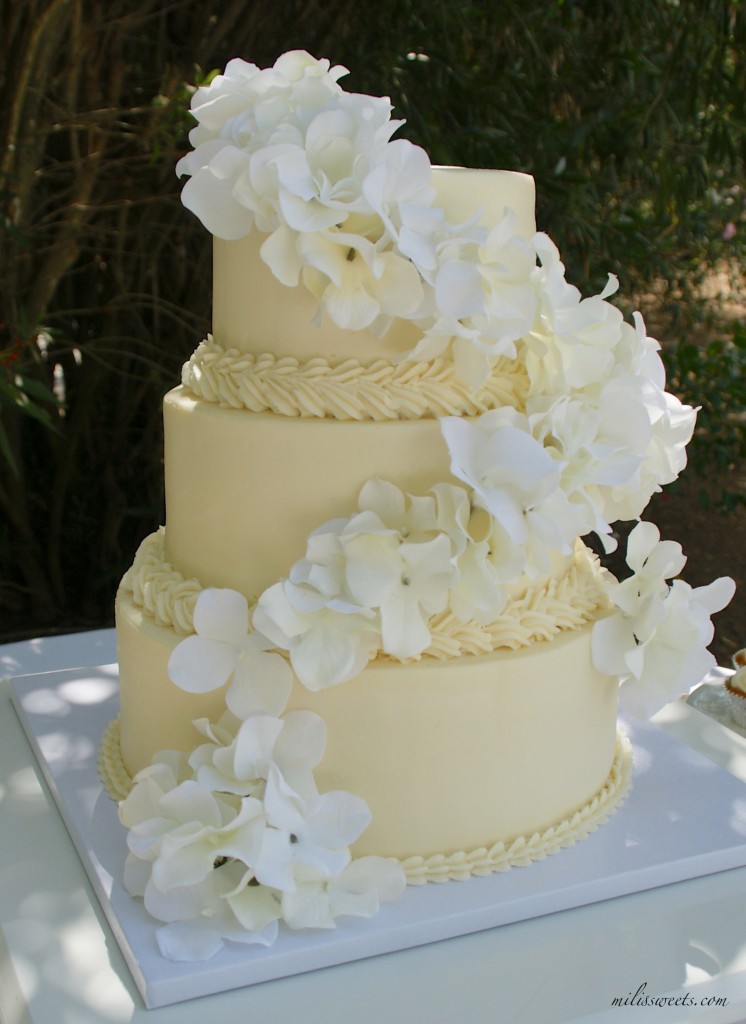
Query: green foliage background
x=630, y=116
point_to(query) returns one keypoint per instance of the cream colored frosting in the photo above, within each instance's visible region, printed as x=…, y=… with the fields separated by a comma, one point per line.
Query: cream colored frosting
x=449, y=754
x=111, y=769
x=159, y=589
x=498, y=734
x=253, y=312
x=235, y=478
x=536, y=611
x=454, y=755
x=244, y=490
x=459, y=866
x=345, y=391
x=523, y=850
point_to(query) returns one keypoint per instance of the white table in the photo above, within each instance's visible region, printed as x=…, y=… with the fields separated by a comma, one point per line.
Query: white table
x=60, y=965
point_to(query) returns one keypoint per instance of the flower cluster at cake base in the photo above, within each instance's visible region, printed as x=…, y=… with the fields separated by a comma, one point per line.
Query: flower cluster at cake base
x=235, y=838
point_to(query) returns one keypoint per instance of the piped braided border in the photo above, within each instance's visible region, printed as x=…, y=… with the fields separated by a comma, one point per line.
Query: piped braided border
x=349, y=390
x=540, y=613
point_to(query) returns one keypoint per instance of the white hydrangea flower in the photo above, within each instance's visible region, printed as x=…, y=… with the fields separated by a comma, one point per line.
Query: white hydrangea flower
x=479, y=591
x=143, y=803
x=657, y=640
x=240, y=113
x=583, y=433
x=398, y=563
x=484, y=296
x=480, y=594
x=220, y=854
x=358, y=891
x=652, y=423
x=405, y=582
x=672, y=425
x=357, y=281
x=188, y=848
x=573, y=340
x=314, y=168
x=321, y=828
x=193, y=828
x=367, y=583
x=516, y=479
x=410, y=517
x=224, y=648
x=329, y=640
x=245, y=760
x=200, y=918
x=493, y=280
x=653, y=562
x=397, y=180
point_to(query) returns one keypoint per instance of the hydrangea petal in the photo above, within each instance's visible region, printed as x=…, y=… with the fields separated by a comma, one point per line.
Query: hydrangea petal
x=190, y=802
x=199, y=664
x=254, y=743
x=206, y=196
x=385, y=876
x=373, y=567
x=610, y=640
x=302, y=740
x=279, y=251
x=136, y=875
x=307, y=907
x=329, y=657
x=716, y=595
x=221, y=614
x=261, y=684
x=459, y=290
x=339, y=818
x=255, y=908
x=404, y=632
x=185, y=942
x=276, y=617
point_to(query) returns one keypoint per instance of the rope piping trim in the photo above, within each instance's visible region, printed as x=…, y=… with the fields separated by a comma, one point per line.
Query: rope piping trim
x=348, y=390
x=501, y=856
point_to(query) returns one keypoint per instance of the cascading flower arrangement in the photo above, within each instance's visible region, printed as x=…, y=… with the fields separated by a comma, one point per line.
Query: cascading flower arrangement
x=229, y=841
x=226, y=843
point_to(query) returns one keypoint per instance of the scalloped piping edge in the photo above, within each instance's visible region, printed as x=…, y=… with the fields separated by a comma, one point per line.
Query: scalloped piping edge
x=460, y=866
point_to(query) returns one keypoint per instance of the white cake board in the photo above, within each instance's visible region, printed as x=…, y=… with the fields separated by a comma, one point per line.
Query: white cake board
x=684, y=818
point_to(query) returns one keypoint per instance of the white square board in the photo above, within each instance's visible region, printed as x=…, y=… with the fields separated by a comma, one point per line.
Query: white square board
x=684, y=818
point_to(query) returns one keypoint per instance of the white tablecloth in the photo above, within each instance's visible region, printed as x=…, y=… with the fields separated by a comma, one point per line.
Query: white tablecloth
x=684, y=943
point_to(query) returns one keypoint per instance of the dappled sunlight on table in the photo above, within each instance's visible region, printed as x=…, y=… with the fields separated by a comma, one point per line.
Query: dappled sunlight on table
x=59, y=947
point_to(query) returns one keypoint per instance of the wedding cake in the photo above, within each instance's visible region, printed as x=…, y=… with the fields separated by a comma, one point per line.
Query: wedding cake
x=369, y=646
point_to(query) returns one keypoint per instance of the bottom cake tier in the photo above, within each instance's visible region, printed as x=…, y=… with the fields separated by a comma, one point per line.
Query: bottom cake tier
x=468, y=764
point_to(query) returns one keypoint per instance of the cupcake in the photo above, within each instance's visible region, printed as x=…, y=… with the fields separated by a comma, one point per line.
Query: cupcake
x=735, y=687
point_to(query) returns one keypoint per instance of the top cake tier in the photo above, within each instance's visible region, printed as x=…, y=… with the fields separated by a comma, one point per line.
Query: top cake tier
x=249, y=470
x=255, y=313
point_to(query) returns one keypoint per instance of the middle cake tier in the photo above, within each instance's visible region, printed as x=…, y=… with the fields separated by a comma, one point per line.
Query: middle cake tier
x=244, y=490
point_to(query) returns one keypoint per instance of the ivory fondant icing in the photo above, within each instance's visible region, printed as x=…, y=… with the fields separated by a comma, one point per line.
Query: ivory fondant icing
x=253, y=312
x=370, y=636
x=467, y=746
x=449, y=754
x=222, y=465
